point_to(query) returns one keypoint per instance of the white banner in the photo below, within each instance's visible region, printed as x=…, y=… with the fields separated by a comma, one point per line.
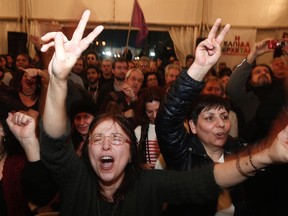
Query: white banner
x=236, y=46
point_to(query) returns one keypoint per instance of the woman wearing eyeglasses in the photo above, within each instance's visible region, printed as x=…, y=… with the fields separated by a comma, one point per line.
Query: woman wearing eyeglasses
x=108, y=180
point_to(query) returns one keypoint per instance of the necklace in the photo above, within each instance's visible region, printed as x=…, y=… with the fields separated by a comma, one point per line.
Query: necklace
x=106, y=207
x=28, y=95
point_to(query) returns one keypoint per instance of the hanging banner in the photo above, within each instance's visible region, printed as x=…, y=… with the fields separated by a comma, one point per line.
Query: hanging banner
x=236, y=46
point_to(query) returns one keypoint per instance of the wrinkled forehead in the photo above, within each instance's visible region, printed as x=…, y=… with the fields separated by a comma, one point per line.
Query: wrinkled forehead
x=108, y=126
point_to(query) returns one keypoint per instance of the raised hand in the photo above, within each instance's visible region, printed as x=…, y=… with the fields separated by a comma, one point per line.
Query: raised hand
x=208, y=51
x=258, y=49
x=32, y=72
x=128, y=91
x=65, y=56
x=68, y=51
x=23, y=127
x=36, y=41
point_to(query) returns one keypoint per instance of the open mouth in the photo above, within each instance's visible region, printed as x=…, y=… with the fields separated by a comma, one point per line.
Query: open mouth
x=220, y=135
x=106, y=162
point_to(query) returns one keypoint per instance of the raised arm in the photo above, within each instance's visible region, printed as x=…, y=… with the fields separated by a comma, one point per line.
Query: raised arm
x=23, y=127
x=66, y=54
x=208, y=52
x=236, y=171
x=171, y=133
x=236, y=87
x=258, y=49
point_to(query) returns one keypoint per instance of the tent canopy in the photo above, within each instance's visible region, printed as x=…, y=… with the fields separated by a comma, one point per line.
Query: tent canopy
x=267, y=17
x=244, y=13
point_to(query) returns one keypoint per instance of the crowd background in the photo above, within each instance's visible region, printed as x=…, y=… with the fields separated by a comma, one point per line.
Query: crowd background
x=135, y=88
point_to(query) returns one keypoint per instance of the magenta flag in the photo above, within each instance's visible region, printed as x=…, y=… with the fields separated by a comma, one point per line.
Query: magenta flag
x=138, y=20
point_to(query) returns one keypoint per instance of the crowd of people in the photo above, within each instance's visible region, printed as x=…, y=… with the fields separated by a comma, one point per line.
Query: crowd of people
x=91, y=136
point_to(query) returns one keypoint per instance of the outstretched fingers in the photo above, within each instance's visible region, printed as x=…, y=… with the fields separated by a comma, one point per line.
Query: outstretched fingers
x=48, y=39
x=223, y=33
x=90, y=37
x=78, y=33
x=214, y=29
x=60, y=53
x=45, y=47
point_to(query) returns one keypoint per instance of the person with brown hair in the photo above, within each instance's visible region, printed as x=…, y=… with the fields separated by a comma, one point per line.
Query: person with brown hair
x=145, y=114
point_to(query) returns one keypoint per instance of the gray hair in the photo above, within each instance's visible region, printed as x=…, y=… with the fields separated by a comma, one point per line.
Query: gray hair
x=172, y=66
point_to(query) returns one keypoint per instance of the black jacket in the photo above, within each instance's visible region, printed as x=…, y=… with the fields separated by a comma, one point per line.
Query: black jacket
x=182, y=150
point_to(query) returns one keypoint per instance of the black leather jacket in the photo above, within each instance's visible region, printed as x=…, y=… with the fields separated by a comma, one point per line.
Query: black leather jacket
x=182, y=150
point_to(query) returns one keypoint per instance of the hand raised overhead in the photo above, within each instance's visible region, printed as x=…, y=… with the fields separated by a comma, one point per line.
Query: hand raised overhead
x=208, y=51
x=23, y=126
x=68, y=51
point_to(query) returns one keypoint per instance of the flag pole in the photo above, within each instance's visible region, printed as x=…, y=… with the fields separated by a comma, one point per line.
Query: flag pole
x=130, y=25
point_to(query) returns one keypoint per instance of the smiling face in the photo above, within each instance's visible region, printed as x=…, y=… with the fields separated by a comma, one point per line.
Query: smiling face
x=212, y=127
x=109, y=161
x=82, y=122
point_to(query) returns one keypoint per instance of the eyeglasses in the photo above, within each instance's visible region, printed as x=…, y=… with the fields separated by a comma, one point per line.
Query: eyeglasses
x=114, y=138
x=143, y=65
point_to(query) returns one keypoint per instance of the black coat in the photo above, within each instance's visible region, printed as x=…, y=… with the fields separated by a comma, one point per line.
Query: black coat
x=182, y=150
